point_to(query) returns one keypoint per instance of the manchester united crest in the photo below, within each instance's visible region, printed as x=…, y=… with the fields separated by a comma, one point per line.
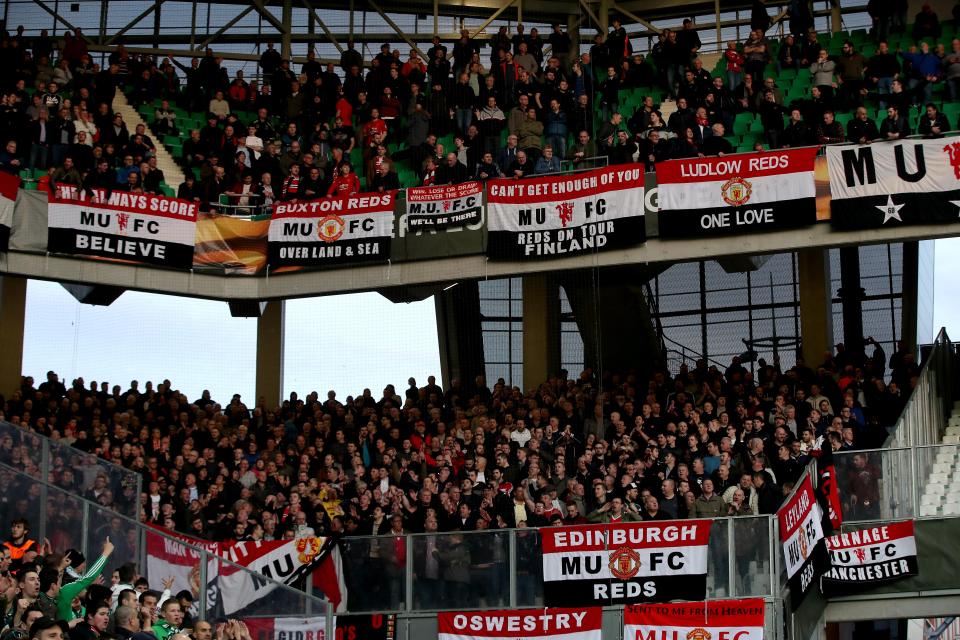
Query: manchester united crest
x=736, y=191
x=803, y=544
x=330, y=228
x=624, y=563
x=307, y=549
x=699, y=634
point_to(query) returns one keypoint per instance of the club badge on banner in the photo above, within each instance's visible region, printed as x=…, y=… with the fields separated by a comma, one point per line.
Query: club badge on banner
x=331, y=231
x=625, y=563
x=9, y=184
x=133, y=227
x=231, y=589
x=745, y=193
x=444, y=207
x=521, y=624
x=557, y=216
x=869, y=557
x=894, y=183
x=801, y=534
x=714, y=620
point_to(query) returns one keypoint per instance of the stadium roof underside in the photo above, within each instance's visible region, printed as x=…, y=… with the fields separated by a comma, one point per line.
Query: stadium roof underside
x=279, y=24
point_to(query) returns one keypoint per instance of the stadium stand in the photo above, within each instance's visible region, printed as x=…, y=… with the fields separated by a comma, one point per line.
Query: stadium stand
x=402, y=121
x=702, y=442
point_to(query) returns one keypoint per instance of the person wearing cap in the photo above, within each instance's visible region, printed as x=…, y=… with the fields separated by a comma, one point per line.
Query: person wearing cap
x=48, y=629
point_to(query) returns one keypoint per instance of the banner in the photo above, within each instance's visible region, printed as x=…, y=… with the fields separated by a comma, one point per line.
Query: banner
x=331, y=231
x=443, y=207
x=234, y=245
x=863, y=559
x=233, y=589
x=801, y=534
x=9, y=184
x=625, y=563
x=557, y=216
x=895, y=183
x=717, y=619
x=737, y=194
x=133, y=227
x=359, y=627
x=827, y=491
x=517, y=624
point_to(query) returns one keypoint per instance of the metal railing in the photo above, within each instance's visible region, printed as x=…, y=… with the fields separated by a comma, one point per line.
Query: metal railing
x=924, y=418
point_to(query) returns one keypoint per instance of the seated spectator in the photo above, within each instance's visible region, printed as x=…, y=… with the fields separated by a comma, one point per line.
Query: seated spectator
x=487, y=168
x=10, y=161
x=933, y=124
x=549, y=163
x=829, y=131
x=862, y=129
x=385, y=179
x=165, y=120
x=521, y=166
x=717, y=144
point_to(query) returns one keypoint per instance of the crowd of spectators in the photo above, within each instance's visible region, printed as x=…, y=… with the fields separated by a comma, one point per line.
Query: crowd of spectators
x=517, y=105
x=600, y=448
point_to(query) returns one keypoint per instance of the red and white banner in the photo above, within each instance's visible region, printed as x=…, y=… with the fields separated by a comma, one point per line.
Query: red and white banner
x=237, y=583
x=331, y=231
x=868, y=557
x=133, y=227
x=9, y=184
x=444, y=207
x=801, y=534
x=557, y=216
x=740, y=193
x=356, y=627
x=714, y=620
x=521, y=624
x=625, y=563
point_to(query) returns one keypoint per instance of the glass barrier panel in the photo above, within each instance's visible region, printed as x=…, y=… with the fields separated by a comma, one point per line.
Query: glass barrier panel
x=718, y=560
x=375, y=567
x=874, y=484
x=468, y=570
x=529, y=563
x=751, y=543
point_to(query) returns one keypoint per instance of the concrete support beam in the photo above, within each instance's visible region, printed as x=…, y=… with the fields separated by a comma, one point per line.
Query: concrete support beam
x=909, y=301
x=541, y=329
x=286, y=28
x=13, y=306
x=816, y=310
x=270, y=353
x=851, y=296
x=460, y=333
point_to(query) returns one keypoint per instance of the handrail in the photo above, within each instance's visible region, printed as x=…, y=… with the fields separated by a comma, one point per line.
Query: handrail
x=923, y=418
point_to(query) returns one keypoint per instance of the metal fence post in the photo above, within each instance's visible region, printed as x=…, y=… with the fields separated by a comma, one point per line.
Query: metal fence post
x=329, y=623
x=85, y=530
x=44, y=478
x=512, y=548
x=408, y=574
x=203, y=584
x=731, y=560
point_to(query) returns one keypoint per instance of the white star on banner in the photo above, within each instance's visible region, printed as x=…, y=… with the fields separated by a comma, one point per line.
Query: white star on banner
x=890, y=210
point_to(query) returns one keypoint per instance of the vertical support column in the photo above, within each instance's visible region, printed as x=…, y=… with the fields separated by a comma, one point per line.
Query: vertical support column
x=460, y=333
x=910, y=291
x=519, y=11
x=851, y=295
x=436, y=17
x=604, y=16
x=816, y=313
x=156, y=24
x=350, y=26
x=716, y=10
x=13, y=303
x=287, y=21
x=270, y=352
x=836, y=18
x=573, y=29
x=541, y=329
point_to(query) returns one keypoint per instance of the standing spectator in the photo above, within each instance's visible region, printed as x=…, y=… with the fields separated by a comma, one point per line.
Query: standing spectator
x=735, y=62
x=788, y=57
x=822, y=71
x=882, y=69
x=925, y=71
x=756, y=56
x=926, y=24
x=850, y=69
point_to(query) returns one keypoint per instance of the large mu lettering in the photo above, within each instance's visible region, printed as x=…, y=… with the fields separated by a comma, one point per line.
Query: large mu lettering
x=859, y=165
